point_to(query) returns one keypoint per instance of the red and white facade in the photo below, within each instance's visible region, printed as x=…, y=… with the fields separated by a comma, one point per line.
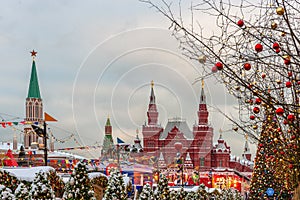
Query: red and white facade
x=195, y=147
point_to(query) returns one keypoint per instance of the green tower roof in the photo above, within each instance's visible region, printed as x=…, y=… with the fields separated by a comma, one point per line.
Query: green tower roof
x=34, y=90
x=107, y=122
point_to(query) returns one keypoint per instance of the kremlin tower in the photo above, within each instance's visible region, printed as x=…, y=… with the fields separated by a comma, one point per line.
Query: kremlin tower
x=34, y=108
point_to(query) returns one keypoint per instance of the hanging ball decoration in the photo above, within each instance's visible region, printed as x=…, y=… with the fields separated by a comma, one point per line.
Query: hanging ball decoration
x=291, y=166
x=252, y=117
x=278, y=81
x=280, y=10
x=287, y=59
x=202, y=59
x=258, y=47
x=255, y=127
x=288, y=84
x=290, y=73
x=277, y=50
x=235, y=128
x=273, y=25
x=240, y=23
x=291, y=117
x=276, y=45
x=257, y=101
x=219, y=65
x=283, y=34
x=247, y=66
x=279, y=111
x=263, y=75
x=256, y=110
x=214, y=69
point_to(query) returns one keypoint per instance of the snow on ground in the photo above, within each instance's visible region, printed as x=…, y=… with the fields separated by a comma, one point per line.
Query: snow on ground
x=26, y=173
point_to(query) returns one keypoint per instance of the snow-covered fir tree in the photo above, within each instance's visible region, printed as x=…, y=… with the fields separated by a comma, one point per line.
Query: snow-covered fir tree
x=162, y=191
x=230, y=194
x=173, y=194
x=22, y=192
x=79, y=185
x=181, y=194
x=6, y=193
x=40, y=187
x=116, y=189
x=147, y=193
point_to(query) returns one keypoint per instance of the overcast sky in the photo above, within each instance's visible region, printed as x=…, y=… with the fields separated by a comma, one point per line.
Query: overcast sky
x=97, y=59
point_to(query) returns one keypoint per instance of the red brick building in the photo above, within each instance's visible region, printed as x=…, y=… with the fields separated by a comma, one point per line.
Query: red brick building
x=195, y=147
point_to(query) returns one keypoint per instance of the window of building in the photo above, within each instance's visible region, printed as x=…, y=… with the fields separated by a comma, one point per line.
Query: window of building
x=202, y=162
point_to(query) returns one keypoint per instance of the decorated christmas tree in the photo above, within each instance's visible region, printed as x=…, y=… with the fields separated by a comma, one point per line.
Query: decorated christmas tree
x=116, y=187
x=6, y=193
x=56, y=183
x=147, y=193
x=22, y=191
x=162, y=191
x=41, y=188
x=8, y=180
x=79, y=185
x=271, y=170
x=181, y=194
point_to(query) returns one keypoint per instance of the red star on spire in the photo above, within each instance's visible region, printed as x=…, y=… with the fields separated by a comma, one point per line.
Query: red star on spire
x=33, y=53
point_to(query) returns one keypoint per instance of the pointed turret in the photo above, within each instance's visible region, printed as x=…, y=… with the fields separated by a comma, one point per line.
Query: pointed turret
x=107, y=150
x=202, y=112
x=188, y=164
x=152, y=96
x=137, y=142
x=108, y=128
x=152, y=111
x=34, y=90
x=247, y=153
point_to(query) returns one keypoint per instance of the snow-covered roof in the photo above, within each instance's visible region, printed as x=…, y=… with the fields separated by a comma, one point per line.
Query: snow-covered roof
x=95, y=175
x=8, y=145
x=26, y=173
x=181, y=125
x=57, y=154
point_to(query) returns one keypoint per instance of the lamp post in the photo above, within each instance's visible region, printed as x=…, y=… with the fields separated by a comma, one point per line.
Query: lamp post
x=42, y=133
x=179, y=159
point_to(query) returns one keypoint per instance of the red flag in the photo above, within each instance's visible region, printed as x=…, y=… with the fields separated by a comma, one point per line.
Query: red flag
x=49, y=118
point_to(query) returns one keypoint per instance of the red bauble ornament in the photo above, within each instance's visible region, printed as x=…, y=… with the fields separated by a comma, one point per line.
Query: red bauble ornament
x=258, y=47
x=287, y=61
x=252, y=117
x=261, y=145
x=290, y=74
x=214, y=69
x=257, y=101
x=293, y=137
x=275, y=45
x=263, y=75
x=279, y=111
x=240, y=23
x=285, y=122
x=277, y=50
x=288, y=84
x=247, y=66
x=275, y=150
x=281, y=152
x=219, y=65
x=291, y=117
x=291, y=166
x=256, y=110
